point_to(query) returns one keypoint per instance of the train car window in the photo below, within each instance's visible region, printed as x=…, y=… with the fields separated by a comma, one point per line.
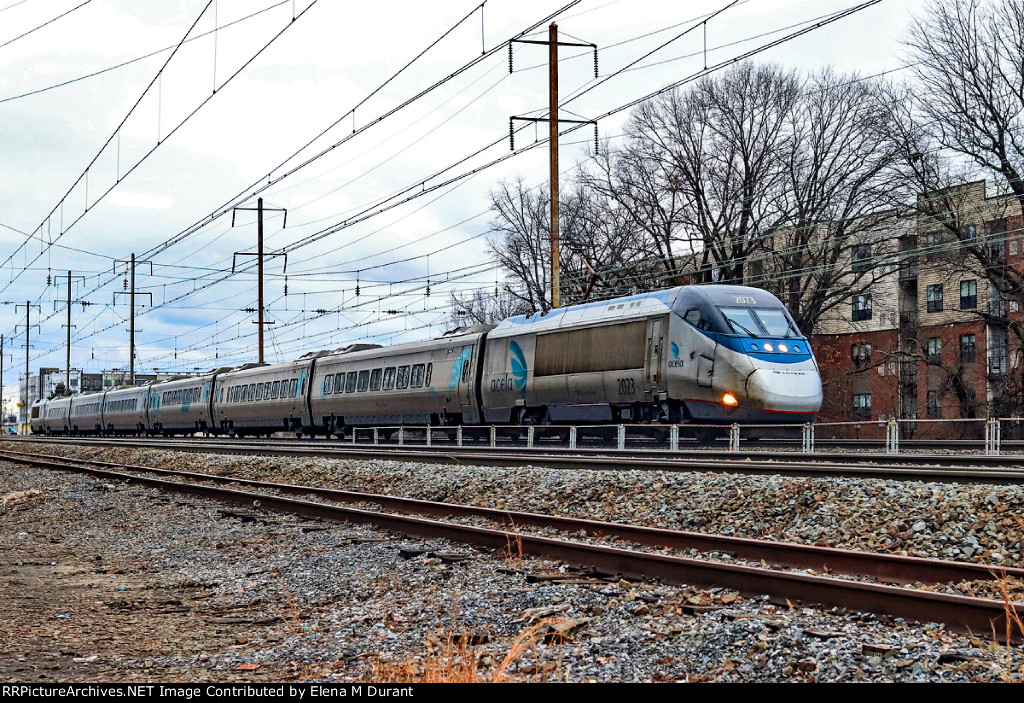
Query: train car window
x=350, y=382
x=266, y=390
x=293, y=387
x=416, y=380
x=364, y=381
x=375, y=378
x=430, y=369
x=339, y=383
x=259, y=391
x=275, y=389
x=252, y=392
x=328, y=383
x=403, y=377
x=465, y=367
x=389, y=378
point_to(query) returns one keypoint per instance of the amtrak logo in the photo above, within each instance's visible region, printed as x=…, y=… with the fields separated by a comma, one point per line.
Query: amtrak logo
x=675, y=350
x=518, y=366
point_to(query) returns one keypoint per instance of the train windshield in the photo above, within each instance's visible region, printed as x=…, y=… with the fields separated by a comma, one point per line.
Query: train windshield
x=761, y=321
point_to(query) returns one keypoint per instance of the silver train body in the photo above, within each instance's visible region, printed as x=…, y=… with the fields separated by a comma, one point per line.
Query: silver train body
x=693, y=354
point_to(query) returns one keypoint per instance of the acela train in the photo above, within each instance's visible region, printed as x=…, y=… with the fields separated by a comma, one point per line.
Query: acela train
x=712, y=354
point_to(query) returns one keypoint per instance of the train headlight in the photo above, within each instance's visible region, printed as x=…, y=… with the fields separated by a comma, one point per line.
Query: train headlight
x=730, y=400
x=768, y=347
x=783, y=348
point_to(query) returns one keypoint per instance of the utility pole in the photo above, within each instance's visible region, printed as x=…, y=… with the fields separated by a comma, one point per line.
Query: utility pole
x=131, y=264
x=28, y=329
x=67, y=381
x=259, y=259
x=552, y=120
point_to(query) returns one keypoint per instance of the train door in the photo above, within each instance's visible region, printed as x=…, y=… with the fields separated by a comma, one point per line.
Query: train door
x=652, y=364
x=466, y=379
x=699, y=348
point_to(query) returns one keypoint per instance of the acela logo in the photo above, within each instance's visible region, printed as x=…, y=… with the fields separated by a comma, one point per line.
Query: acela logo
x=518, y=365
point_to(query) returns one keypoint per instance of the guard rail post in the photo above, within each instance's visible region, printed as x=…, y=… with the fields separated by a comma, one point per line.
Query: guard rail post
x=892, y=436
x=529, y=437
x=572, y=437
x=428, y=435
x=458, y=436
x=621, y=443
x=808, y=436
x=673, y=438
x=734, y=438
x=401, y=436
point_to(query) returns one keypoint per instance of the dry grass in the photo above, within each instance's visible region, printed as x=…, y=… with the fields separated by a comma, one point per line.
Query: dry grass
x=296, y=621
x=452, y=659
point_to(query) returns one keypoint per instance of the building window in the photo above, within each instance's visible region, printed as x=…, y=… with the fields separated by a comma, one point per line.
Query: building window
x=861, y=354
x=968, y=235
x=934, y=298
x=862, y=406
x=931, y=239
x=861, y=258
x=934, y=350
x=997, y=354
x=862, y=307
x=934, y=404
x=996, y=240
x=968, y=403
x=967, y=349
x=968, y=295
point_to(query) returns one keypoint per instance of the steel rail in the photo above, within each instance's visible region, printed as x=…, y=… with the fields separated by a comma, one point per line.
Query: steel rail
x=915, y=467
x=978, y=615
x=879, y=565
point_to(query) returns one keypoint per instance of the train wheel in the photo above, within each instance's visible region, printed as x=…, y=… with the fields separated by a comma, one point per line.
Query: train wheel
x=704, y=435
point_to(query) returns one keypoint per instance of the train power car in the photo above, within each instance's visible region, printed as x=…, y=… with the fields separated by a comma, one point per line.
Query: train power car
x=696, y=354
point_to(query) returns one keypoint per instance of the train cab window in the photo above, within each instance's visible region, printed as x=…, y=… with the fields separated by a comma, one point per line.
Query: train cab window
x=293, y=387
x=465, y=368
x=259, y=391
x=403, y=377
x=275, y=389
x=741, y=321
x=776, y=322
x=375, y=377
x=416, y=380
x=328, y=383
x=694, y=317
x=364, y=381
x=430, y=370
x=389, y=378
x=350, y=382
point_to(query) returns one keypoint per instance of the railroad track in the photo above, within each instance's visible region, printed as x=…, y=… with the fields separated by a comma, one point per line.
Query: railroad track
x=937, y=467
x=417, y=517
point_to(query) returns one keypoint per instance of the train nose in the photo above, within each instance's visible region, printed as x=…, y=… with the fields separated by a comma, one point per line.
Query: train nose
x=785, y=391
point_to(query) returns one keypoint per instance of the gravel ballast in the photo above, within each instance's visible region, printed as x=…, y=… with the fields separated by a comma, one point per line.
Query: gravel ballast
x=116, y=582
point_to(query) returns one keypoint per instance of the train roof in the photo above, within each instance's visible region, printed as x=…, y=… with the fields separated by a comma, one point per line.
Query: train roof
x=643, y=305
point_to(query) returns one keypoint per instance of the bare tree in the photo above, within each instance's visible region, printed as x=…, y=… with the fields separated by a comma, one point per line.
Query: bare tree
x=832, y=226
x=521, y=241
x=483, y=307
x=723, y=139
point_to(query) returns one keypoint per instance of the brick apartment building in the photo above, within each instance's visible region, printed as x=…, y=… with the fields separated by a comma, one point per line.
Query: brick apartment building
x=929, y=338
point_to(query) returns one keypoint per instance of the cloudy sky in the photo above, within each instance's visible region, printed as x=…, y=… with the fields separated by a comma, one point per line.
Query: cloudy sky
x=113, y=141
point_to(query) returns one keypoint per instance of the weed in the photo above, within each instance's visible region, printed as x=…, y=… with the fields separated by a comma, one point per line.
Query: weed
x=451, y=659
x=296, y=620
